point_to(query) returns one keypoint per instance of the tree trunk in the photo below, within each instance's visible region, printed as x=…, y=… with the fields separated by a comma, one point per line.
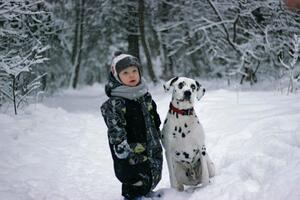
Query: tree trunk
x=133, y=45
x=78, y=40
x=132, y=29
x=168, y=70
x=167, y=62
x=14, y=93
x=143, y=40
x=75, y=41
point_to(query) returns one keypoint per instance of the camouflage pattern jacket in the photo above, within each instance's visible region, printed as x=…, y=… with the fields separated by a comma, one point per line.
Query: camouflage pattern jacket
x=134, y=137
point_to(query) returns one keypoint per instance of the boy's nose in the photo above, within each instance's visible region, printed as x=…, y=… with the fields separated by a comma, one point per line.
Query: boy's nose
x=131, y=75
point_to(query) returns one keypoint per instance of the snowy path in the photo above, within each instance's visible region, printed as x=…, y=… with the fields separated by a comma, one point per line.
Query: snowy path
x=59, y=150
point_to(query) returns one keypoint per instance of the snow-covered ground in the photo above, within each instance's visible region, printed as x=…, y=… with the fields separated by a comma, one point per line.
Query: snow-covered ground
x=58, y=150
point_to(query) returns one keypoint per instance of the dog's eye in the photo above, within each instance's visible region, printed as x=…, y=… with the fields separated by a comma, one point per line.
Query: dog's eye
x=193, y=86
x=180, y=85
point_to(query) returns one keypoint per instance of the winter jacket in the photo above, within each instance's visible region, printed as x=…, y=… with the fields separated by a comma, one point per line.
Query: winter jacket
x=134, y=140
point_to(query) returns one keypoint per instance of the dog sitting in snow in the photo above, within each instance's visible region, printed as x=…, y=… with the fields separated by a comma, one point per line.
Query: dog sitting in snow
x=183, y=136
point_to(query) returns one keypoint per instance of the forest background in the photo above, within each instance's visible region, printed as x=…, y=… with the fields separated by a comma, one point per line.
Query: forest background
x=46, y=45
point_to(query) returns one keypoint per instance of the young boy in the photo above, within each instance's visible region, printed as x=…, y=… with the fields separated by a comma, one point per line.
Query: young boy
x=133, y=128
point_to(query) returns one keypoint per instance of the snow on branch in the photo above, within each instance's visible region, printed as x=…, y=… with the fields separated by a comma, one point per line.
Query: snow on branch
x=292, y=71
x=23, y=47
x=294, y=53
x=296, y=45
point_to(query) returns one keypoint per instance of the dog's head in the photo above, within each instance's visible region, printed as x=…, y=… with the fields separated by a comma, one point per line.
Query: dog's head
x=185, y=90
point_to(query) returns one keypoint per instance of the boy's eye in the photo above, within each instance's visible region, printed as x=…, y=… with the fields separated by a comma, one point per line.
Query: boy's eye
x=180, y=85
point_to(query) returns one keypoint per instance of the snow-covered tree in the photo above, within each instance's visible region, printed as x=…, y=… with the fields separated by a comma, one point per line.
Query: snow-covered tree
x=211, y=38
x=292, y=68
x=226, y=37
x=25, y=27
x=89, y=33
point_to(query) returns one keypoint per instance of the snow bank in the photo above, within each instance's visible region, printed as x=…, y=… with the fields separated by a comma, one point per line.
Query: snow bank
x=59, y=150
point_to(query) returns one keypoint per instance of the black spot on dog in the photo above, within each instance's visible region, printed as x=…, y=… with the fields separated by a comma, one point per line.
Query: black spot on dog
x=177, y=153
x=187, y=174
x=166, y=121
x=189, y=131
x=185, y=125
x=183, y=135
x=162, y=136
x=177, y=115
x=179, y=130
x=180, y=85
x=175, y=128
x=186, y=155
x=165, y=88
x=177, y=103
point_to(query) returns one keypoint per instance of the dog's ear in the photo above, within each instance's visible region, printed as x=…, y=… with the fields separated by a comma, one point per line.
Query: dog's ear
x=169, y=83
x=200, y=91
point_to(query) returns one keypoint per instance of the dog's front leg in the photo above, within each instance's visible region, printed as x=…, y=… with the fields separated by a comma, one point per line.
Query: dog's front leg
x=172, y=172
x=211, y=167
x=205, y=172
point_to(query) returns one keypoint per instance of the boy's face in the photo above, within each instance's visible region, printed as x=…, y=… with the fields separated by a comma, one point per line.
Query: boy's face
x=130, y=76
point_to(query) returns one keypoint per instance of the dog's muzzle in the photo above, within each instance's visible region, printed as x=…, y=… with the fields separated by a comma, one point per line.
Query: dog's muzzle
x=187, y=95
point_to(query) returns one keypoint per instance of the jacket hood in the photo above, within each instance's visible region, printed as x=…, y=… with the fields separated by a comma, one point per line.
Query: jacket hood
x=111, y=84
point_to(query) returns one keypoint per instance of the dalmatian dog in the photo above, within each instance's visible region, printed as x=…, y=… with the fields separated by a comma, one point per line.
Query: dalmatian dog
x=183, y=136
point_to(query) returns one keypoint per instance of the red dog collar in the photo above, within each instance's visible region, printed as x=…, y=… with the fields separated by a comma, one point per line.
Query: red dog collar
x=182, y=112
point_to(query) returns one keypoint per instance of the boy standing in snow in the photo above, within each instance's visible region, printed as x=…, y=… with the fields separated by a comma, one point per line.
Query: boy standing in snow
x=133, y=128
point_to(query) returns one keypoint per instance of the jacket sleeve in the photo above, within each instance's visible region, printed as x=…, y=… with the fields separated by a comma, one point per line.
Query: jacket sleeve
x=156, y=116
x=113, y=112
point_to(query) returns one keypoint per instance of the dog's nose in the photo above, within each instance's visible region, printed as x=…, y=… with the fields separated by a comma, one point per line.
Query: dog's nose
x=187, y=93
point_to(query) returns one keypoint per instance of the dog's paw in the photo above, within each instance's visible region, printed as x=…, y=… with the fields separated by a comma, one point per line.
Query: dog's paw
x=180, y=188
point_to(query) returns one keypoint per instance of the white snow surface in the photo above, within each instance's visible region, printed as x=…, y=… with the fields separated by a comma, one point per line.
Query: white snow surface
x=58, y=149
